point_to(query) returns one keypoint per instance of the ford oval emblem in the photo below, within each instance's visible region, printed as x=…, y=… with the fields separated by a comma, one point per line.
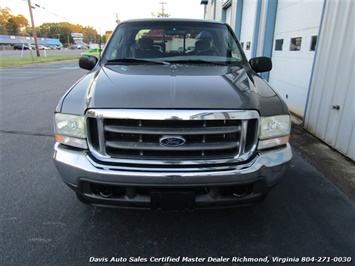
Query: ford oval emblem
x=172, y=141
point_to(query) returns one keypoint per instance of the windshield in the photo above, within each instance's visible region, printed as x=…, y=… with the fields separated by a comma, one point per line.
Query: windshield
x=170, y=41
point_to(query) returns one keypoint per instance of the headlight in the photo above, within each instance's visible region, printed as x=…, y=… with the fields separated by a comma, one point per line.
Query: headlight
x=274, y=131
x=70, y=130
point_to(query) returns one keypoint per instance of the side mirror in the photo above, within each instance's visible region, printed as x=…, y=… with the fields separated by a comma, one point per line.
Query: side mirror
x=261, y=64
x=88, y=62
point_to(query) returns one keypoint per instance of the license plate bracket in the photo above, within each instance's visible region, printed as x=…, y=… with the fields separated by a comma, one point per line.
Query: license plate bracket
x=172, y=201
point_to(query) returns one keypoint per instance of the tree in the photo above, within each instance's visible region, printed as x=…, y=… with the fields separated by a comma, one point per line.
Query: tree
x=4, y=16
x=12, y=27
x=90, y=35
x=10, y=24
x=103, y=39
x=160, y=15
x=15, y=25
x=61, y=31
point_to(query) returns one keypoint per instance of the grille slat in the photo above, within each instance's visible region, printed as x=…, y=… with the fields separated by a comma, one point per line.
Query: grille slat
x=157, y=147
x=172, y=131
x=208, y=135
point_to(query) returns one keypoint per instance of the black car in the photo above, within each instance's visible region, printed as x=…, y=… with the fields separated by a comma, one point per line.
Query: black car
x=189, y=125
x=21, y=46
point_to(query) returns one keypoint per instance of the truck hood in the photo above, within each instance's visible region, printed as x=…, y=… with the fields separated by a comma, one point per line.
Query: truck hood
x=172, y=87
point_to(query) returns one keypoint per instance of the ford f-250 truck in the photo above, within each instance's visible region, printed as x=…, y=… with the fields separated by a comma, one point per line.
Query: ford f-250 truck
x=172, y=116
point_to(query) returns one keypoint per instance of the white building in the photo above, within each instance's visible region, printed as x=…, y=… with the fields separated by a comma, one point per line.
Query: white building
x=312, y=47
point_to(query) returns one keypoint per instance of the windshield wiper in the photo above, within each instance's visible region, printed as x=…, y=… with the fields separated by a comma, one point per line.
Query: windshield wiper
x=136, y=60
x=199, y=61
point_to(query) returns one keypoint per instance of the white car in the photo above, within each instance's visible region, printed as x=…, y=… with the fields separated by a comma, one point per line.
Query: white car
x=43, y=47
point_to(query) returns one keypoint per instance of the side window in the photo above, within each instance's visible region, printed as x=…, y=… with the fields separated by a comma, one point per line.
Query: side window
x=113, y=54
x=118, y=46
x=313, y=43
x=227, y=46
x=234, y=52
x=278, y=44
x=295, y=44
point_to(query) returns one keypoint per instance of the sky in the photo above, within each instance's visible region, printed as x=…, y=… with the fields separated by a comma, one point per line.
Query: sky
x=101, y=14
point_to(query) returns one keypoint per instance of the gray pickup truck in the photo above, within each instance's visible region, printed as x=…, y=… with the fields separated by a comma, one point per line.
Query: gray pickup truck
x=172, y=116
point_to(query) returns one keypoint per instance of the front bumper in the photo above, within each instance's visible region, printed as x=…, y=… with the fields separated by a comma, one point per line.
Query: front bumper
x=228, y=185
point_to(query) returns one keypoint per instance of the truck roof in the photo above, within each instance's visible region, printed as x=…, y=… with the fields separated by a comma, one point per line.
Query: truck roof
x=172, y=20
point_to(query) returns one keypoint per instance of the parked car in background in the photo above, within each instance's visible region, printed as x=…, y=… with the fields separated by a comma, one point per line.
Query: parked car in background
x=55, y=47
x=94, y=52
x=78, y=46
x=21, y=46
x=43, y=47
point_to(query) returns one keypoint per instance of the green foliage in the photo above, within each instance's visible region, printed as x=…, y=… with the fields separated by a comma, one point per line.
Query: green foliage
x=4, y=16
x=10, y=24
x=61, y=31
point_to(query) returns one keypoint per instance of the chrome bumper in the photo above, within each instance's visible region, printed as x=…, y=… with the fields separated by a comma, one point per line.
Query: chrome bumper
x=185, y=188
x=75, y=165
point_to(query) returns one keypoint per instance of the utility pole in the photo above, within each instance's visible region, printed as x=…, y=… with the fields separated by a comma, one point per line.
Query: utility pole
x=162, y=8
x=33, y=28
x=117, y=20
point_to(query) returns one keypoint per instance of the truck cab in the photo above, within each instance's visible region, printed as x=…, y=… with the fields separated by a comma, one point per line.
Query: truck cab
x=172, y=116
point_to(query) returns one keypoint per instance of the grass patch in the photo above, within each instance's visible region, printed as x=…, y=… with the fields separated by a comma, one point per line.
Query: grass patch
x=28, y=60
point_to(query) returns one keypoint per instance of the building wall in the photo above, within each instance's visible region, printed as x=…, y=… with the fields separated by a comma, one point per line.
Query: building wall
x=219, y=7
x=11, y=39
x=291, y=72
x=330, y=113
x=209, y=6
x=313, y=60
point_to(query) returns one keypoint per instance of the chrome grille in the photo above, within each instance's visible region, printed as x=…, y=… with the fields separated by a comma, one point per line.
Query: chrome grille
x=207, y=135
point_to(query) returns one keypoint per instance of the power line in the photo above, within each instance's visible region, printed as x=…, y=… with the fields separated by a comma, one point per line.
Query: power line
x=35, y=5
x=54, y=14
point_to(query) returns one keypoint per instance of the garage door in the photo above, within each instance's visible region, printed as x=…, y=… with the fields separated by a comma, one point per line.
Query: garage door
x=247, y=29
x=295, y=39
